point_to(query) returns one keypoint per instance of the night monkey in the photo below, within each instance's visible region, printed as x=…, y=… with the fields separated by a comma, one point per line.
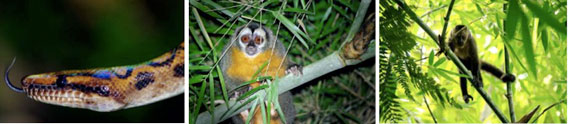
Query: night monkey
x=250, y=47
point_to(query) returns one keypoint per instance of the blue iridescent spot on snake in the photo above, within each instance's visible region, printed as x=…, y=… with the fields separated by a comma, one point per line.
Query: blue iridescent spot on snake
x=103, y=74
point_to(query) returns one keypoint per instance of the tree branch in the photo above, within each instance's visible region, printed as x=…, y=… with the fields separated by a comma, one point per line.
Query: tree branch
x=446, y=20
x=454, y=59
x=509, y=94
x=428, y=106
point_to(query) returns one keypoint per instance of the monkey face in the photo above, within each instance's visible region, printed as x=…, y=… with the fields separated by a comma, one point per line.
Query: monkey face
x=252, y=39
x=460, y=35
x=460, y=40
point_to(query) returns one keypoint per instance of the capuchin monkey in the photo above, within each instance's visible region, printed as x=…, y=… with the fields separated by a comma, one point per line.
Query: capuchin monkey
x=463, y=45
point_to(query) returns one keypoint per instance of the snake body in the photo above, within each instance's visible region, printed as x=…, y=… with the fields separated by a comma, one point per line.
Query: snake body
x=109, y=89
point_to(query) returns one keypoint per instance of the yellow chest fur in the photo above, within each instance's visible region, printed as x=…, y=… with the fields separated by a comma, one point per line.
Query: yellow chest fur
x=243, y=67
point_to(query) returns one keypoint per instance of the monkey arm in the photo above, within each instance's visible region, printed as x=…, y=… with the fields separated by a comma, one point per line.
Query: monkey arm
x=497, y=72
x=463, y=86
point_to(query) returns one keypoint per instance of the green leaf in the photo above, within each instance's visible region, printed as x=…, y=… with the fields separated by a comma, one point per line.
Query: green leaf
x=440, y=61
x=252, y=109
x=215, y=5
x=195, y=60
x=211, y=94
x=332, y=91
x=513, y=14
x=279, y=110
x=547, y=17
x=341, y=11
x=259, y=70
x=198, y=53
x=351, y=117
x=293, y=28
x=527, y=45
x=251, y=92
x=223, y=86
x=196, y=78
x=516, y=56
x=544, y=36
x=431, y=58
x=204, y=8
x=326, y=15
x=266, y=3
x=297, y=10
x=443, y=74
x=346, y=3
x=479, y=9
x=203, y=67
x=199, y=98
x=195, y=37
x=230, y=110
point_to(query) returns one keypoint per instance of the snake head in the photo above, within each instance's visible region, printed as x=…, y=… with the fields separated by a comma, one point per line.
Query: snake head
x=76, y=91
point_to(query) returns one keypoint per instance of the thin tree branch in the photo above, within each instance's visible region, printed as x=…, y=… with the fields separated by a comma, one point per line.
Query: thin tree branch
x=546, y=109
x=509, y=94
x=454, y=59
x=446, y=20
x=431, y=11
x=428, y=106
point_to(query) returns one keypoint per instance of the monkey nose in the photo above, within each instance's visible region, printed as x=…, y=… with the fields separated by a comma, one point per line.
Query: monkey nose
x=251, y=50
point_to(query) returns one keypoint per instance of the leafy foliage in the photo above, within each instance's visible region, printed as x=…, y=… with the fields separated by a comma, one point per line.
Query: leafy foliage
x=393, y=28
x=389, y=106
x=526, y=28
x=399, y=68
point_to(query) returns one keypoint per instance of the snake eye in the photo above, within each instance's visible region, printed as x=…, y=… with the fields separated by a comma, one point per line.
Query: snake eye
x=257, y=40
x=245, y=39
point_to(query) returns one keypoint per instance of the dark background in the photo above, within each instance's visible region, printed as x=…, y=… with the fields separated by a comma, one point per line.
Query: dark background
x=59, y=35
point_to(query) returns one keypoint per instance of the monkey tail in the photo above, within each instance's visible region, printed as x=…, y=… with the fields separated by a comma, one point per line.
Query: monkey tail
x=492, y=69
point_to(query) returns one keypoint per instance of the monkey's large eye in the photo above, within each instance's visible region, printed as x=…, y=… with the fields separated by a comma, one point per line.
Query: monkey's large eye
x=257, y=40
x=245, y=39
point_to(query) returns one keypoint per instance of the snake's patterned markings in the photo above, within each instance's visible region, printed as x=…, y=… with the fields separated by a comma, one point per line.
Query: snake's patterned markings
x=109, y=89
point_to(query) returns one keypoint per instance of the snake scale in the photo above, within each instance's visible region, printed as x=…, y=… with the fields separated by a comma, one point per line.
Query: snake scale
x=109, y=89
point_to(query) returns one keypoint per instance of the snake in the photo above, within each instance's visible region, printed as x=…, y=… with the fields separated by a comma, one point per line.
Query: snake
x=108, y=89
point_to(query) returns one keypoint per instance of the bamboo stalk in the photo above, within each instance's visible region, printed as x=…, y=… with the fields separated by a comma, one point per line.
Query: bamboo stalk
x=509, y=94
